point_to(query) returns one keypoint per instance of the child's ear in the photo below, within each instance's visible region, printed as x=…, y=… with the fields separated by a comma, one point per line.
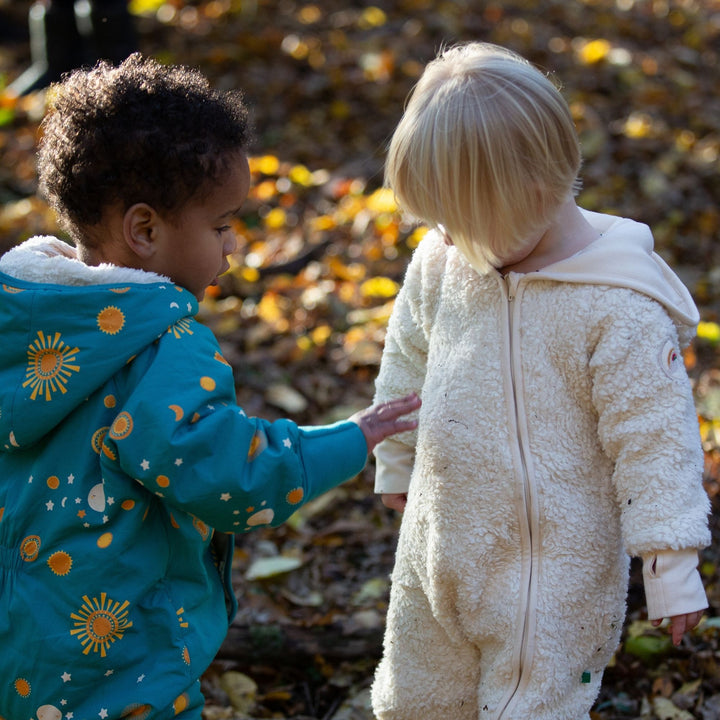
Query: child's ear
x=140, y=230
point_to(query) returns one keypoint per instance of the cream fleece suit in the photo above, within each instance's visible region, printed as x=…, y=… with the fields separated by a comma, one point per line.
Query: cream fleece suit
x=557, y=437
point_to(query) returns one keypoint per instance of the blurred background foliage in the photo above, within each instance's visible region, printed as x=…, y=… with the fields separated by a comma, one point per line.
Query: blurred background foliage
x=322, y=249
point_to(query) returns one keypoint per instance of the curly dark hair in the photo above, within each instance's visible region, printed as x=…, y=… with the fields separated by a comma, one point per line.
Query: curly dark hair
x=138, y=132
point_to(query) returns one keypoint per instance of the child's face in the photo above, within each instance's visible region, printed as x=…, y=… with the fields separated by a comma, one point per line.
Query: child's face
x=195, y=245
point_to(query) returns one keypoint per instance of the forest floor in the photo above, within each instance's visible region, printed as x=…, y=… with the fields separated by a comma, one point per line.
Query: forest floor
x=302, y=313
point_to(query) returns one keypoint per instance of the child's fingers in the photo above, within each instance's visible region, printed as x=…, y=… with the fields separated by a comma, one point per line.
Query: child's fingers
x=400, y=406
x=678, y=627
x=682, y=624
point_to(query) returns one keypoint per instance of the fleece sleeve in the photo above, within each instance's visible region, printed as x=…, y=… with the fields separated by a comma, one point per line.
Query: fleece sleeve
x=648, y=425
x=404, y=360
x=181, y=435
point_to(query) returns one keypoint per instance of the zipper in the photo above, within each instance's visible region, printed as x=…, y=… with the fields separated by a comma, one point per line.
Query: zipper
x=523, y=647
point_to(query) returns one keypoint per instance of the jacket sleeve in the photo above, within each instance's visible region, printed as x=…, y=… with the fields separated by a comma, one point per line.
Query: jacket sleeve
x=404, y=361
x=181, y=435
x=647, y=425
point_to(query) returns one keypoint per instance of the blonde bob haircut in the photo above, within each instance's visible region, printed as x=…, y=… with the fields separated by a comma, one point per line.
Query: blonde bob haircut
x=486, y=151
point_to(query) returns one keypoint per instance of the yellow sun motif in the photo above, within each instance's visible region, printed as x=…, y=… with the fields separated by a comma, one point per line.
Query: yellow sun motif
x=105, y=540
x=22, y=687
x=217, y=356
x=100, y=623
x=109, y=452
x=29, y=548
x=127, y=504
x=50, y=364
x=60, y=562
x=111, y=320
x=207, y=383
x=201, y=527
x=53, y=482
x=97, y=439
x=137, y=712
x=181, y=620
x=179, y=412
x=295, y=496
x=186, y=655
x=163, y=481
x=257, y=444
x=11, y=290
x=120, y=291
x=122, y=426
x=181, y=703
x=110, y=401
x=181, y=327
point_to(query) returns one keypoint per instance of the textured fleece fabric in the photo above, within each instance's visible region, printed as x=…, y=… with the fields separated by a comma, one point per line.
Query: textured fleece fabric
x=557, y=435
x=122, y=452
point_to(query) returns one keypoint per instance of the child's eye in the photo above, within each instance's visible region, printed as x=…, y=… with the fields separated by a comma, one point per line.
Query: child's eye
x=223, y=229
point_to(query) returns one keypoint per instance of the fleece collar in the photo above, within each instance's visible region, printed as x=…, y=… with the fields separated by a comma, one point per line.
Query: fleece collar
x=46, y=259
x=623, y=256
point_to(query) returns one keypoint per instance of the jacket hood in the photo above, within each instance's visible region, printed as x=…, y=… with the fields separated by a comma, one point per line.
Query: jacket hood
x=67, y=328
x=623, y=256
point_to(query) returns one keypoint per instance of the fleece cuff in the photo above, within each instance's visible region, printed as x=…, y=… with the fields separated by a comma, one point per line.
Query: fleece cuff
x=394, y=464
x=673, y=585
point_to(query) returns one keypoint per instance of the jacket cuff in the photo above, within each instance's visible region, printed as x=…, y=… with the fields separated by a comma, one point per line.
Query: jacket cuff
x=673, y=585
x=394, y=464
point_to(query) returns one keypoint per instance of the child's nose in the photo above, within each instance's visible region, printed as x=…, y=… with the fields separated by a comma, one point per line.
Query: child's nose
x=230, y=244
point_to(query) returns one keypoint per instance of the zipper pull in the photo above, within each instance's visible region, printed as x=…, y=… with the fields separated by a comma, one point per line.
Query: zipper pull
x=510, y=287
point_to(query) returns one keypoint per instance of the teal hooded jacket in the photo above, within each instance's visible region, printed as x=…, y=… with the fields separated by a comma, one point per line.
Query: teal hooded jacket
x=122, y=453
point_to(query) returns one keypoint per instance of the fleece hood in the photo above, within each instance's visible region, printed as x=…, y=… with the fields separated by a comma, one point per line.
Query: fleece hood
x=67, y=328
x=623, y=256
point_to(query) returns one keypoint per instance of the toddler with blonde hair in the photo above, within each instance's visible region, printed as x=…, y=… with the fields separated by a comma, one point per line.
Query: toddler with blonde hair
x=557, y=436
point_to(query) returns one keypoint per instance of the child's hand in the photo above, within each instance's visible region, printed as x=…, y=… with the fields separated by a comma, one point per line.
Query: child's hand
x=680, y=624
x=395, y=501
x=381, y=421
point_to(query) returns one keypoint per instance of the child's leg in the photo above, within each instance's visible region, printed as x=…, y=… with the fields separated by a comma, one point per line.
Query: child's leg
x=424, y=673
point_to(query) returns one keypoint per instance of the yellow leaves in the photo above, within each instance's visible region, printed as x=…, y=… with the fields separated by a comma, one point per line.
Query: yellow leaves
x=382, y=201
x=241, y=691
x=275, y=219
x=709, y=331
x=309, y=14
x=264, y=191
x=417, y=235
x=380, y=287
x=593, y=51
x=372, y=17
x=323, y=222
x=300, y=175
x=321, y=334
x=272, y=309
x=266, y=164
x=354, y=272
x=144, y=7
x=639, y=125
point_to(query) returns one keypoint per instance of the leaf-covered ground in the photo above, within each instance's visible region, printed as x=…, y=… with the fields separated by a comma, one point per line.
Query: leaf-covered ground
x=301, y=315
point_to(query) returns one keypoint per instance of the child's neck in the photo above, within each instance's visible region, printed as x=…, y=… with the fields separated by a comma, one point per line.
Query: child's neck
x=568, y=233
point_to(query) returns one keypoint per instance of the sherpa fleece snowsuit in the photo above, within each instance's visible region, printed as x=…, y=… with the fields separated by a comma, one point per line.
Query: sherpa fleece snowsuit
x=122, y=452
x=557, y=434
